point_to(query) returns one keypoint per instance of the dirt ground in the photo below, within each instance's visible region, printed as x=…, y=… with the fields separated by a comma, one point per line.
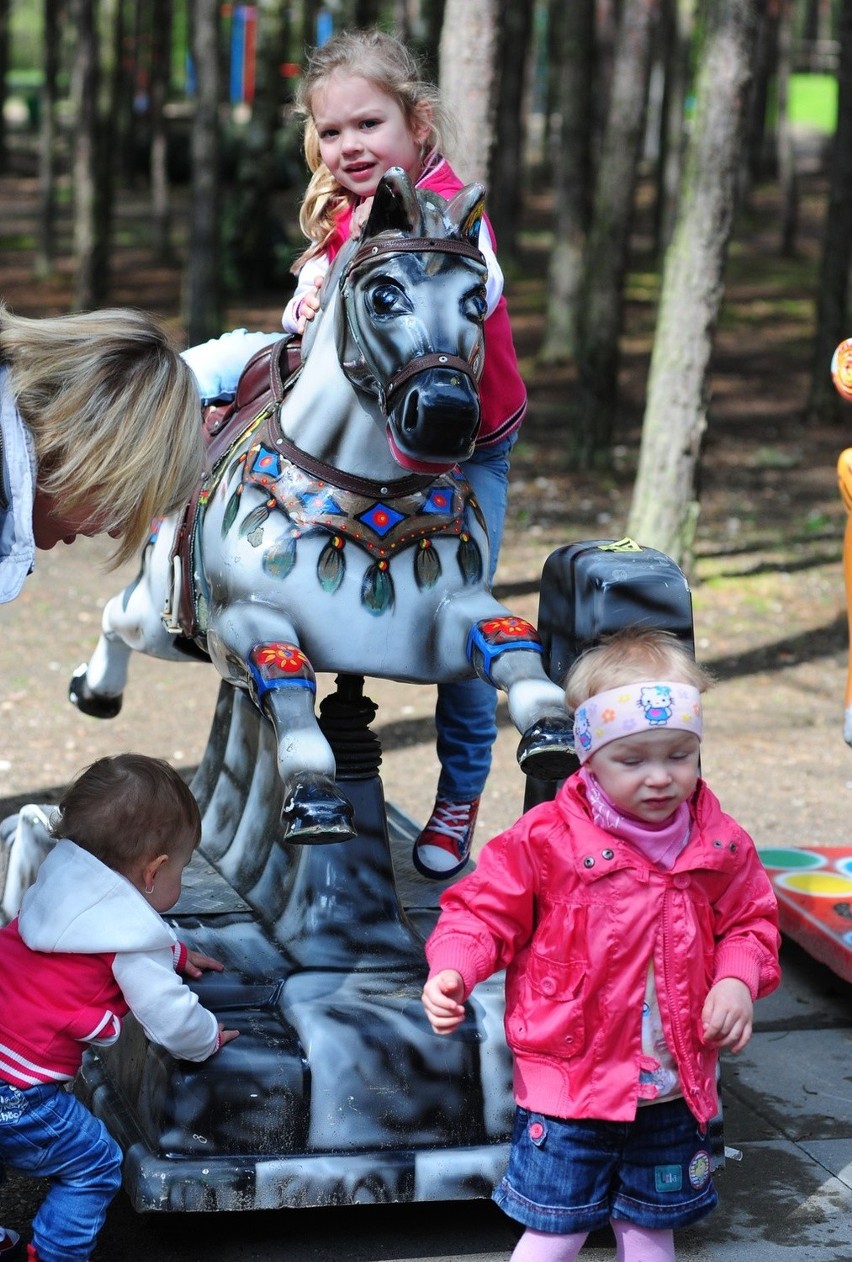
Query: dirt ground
x=768, y=595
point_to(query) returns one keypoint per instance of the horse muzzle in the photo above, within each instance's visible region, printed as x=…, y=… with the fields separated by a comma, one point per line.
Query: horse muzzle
x=433, y=416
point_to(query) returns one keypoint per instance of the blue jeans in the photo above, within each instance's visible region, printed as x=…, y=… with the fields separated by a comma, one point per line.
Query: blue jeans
x=465, y=715
x=47, y=1132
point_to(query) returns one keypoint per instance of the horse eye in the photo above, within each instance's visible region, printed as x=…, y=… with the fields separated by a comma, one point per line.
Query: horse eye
x=475, y=304
x=387, y=298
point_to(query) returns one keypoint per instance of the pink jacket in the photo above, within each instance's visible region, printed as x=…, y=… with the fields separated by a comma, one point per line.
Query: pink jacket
x=575, y=916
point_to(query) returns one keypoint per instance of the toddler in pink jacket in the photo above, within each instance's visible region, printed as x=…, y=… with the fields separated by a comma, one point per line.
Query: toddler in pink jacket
x=637, y=927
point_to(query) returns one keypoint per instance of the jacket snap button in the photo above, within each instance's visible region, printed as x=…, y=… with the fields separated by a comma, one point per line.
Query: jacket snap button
x=548, y=985
x=607, y=854
x=682, y=881
x=588, y=862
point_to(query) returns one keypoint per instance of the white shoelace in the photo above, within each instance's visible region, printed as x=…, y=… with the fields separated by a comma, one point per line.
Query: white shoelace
x=451, y=819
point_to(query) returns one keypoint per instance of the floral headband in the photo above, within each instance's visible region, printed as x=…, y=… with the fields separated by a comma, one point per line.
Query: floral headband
x=641, y=707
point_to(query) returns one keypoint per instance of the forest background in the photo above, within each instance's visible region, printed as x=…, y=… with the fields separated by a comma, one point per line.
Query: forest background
x=670, y=185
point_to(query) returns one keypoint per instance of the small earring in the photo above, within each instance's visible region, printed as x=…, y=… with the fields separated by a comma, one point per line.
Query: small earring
x=149, y=889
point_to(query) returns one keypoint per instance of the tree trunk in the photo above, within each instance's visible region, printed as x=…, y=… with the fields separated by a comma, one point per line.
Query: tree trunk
x=679, y=48
x=468, y=82
x=833, y=294
x=161, y=65
x=606, y=255
x=202, y=293
x=506, y=165
x=786, y=157
x=89, y=279
x=574, y=59
x=365, y=12
x=5, y=9
x=310, y=14
x=664, y=510
x=46, y=228
x=759, y=148
x=401, y=20
x=432, y=17
x=113, y=109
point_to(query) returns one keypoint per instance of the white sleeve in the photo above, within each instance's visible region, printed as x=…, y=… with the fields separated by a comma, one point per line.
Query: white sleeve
x=168, y=1011
x=315, y=269
x=217, y=364
x=494, y=282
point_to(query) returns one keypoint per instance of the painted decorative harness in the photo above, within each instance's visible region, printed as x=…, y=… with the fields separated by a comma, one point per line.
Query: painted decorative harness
x=381, y=518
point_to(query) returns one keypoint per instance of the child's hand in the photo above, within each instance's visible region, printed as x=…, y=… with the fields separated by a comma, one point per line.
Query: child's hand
x=198, y=963
x=360, y=215
x=226, y=1036
x=442, y=996
x=309, y=305
x=727, y=1014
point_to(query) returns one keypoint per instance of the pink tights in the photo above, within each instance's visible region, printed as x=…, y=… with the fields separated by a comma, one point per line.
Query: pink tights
x=543, y=1246
x=641, y=1244
x=633, y=1244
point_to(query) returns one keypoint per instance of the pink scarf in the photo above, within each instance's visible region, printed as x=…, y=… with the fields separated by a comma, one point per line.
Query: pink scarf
x=660, y=843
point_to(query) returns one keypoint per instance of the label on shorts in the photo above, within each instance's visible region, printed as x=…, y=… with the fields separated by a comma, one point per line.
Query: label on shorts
x=668, y=1178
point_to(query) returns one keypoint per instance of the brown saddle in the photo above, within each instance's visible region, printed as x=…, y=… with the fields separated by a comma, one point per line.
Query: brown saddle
x=264, y=381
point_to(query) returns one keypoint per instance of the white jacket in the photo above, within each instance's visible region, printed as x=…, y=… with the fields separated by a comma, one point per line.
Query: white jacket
x=79, y=905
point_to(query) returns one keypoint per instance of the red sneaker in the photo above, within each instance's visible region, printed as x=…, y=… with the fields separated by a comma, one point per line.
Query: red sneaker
x=443, y=847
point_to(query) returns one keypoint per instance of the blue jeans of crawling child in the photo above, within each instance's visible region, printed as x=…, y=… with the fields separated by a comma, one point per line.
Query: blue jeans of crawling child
x=47, y=1132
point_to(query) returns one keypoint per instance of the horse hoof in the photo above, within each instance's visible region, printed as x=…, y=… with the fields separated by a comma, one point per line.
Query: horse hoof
x=315, y=812
x=81, y=695
x=546, y=750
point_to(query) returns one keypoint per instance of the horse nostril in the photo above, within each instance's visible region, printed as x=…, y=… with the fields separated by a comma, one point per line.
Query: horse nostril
x=411, y=413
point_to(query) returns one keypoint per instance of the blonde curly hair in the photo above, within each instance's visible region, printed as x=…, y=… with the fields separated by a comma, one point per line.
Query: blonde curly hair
x=114, y=413
x=392, y=68
x=632, y=655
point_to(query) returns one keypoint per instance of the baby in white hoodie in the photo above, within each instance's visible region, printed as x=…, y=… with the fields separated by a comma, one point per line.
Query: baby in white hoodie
x=88, y=946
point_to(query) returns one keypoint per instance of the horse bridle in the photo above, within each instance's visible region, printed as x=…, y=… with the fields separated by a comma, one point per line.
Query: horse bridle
x=372, y=250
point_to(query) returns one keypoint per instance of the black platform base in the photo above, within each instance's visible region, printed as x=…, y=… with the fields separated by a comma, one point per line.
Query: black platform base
x=336, y=1092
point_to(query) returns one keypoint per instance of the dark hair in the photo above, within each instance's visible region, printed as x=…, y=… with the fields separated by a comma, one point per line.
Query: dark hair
x=128, y=809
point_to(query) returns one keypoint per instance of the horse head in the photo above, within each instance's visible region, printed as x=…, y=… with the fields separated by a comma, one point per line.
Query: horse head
x=409, y=320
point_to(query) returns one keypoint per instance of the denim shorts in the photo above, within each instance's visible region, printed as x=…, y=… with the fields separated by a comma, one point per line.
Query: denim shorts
x=569, y=1176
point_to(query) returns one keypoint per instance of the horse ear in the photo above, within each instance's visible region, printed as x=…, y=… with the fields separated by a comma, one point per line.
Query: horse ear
x=395, y=207
x=465, y=211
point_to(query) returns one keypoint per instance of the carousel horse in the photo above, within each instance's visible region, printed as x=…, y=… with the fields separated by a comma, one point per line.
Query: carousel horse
x=332, y=530
x=841, y=371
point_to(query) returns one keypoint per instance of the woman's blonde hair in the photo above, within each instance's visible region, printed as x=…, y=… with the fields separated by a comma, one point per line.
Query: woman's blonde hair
x=635, y=654
x=385, y=62
x=114, y=412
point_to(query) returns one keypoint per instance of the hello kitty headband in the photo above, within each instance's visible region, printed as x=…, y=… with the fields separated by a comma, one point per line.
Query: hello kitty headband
x=642, y=707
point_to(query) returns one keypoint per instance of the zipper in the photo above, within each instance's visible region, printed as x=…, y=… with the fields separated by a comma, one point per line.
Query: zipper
x=682, y=1058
